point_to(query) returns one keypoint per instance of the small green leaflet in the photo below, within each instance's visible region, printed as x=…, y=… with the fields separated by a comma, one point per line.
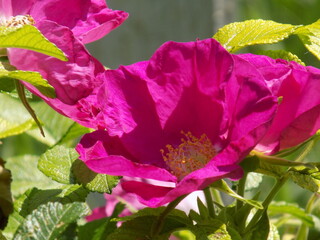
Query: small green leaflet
x=310, y=36
x=29, y=37
x=237, y=35
x=33, y=78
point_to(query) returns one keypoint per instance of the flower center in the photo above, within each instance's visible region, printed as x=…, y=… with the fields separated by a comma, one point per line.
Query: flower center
x=192, y=154
x=18, y=21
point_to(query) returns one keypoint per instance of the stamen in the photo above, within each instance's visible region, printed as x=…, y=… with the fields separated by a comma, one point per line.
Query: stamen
x=192, y=154
x=18, y=21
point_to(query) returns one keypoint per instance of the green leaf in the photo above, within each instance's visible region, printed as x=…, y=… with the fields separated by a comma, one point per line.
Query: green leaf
x=75, y=131
x=34, y=197
x=223, y=186
x=49, y=221
x=8, y=129
x=56, y=163
x=213, y=229
x=282, y=54
x=237, y=35
x=276, y=208
x=92, y=181
x=135, y=229
x=14, y=119
x=261, y=229
x=29, y=37
x=310, y=36
x=9, y=73
x=27, y=177
x=6, y=205
x=97, y=229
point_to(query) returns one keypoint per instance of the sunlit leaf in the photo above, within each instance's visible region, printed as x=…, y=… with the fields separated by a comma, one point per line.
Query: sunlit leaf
x=56, y=163
x=49, y=221
x=310, y=36
x=306, y=178
x=14, y=222
x=10, y=129
x=29, y=37
x=235, y=36
x=33, y=78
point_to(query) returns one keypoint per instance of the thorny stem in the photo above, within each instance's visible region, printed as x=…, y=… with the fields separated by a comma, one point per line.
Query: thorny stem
x=157, y=226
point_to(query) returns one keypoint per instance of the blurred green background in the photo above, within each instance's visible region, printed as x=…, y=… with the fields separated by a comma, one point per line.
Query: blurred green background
x=151, y=23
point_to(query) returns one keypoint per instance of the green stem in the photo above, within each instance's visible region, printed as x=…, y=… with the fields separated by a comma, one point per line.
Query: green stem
x=157, y=226
x=240, y=190
x=217, y=196
x=280, y=182
x=208, y=196
x=304, y=229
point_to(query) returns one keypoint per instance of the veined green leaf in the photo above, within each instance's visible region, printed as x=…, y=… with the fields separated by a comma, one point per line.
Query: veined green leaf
x=29, y=37
x=60, y=163
x=310, y=36
x=57, y=162
x=33, y=78
x=49, y=221
x=34, y=197
x=237, y=35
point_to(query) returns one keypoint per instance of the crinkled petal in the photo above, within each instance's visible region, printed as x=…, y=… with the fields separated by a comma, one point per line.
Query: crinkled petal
x=73, y=80
x=298, y=116
x=88, y=20
x=192, y=87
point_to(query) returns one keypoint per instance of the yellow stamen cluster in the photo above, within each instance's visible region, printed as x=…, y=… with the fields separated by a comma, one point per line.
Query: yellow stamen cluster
x=18, y=21
x=192, y=154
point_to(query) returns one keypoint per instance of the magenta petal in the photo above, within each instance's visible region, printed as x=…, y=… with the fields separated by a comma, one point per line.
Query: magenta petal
x=298, y=116
x=88, y=20
x=73, y=80
x=195, y=87
x=105, y=154
x=147, y=194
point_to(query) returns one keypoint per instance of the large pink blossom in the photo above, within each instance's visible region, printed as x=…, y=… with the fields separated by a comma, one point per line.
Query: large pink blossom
x=186, y=117
x=69, y=24
x=298, y=88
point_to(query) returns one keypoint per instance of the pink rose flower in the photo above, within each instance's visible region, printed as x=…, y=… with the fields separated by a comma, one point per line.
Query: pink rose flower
x=186, y=117
x=298, y=115
x=68, y=24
